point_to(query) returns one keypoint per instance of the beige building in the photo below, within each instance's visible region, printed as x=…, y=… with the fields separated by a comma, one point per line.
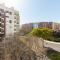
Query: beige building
x=26, y=28
x=51, y=25
x=9, y=21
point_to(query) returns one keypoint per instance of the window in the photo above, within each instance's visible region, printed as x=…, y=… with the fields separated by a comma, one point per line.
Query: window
x=14, y=17
x=0, y=24
x=0, y=14
x=10, y=21
x=14, y=29
x=2, y=10
x=7, y=11
x=2, y=30
x=17, y=22
x=7, y=16
x=14, y=21
x=10, y=13
x=0, y=19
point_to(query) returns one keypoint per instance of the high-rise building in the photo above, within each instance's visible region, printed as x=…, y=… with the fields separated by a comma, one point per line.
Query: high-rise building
x=9, y=21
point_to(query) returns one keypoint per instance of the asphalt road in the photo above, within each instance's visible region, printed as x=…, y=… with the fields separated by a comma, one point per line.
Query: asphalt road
x=53, y=45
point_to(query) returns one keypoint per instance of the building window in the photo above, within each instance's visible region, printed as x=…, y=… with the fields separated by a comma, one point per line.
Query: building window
x=14, y=29
x=0, y=14
x=0, y=19
x=10, y=13
x=14, y=17
x=10, y=21
x=14, y=21
x=2, y=10
x=7, y=16
x=2, y=30
x=0, y=24
x=15, y=25
x=17, y=22
x=3, y=15
x=7, y=11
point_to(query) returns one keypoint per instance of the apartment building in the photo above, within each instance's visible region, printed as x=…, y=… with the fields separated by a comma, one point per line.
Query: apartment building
x=28, y=27
x=9, y=21
x=50, y=25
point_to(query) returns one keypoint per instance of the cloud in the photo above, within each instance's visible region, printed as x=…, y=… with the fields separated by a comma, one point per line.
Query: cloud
x=14, y=3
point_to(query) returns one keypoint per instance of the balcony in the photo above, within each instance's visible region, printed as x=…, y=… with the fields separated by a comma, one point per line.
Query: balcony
x=2, y=32
x=2, y=25
x=2, y=18
x=0, y=21
x=2, y=28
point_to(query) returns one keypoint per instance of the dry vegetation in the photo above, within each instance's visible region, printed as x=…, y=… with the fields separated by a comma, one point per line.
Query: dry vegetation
x=22, y=48
x=13, y=49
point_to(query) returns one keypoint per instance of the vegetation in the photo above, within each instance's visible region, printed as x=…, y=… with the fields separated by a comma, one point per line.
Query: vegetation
x=15, y=48
x=54, y=55
x=46, y=33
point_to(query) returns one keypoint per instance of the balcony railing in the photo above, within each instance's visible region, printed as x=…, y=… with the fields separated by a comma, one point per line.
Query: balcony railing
x=2, y=32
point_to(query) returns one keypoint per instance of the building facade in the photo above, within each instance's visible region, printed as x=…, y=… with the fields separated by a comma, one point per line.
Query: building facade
x=9, y=21
x=26, y=28
x=50, y=25
x=35, y=25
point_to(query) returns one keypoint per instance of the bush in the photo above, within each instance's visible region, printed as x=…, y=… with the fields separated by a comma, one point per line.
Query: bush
x=46, y=33
x=56, y=34
x=42, y=32
x=53, y=55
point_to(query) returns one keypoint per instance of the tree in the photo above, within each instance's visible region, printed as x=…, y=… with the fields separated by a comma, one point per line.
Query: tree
x=42, y=32
x=56, y=34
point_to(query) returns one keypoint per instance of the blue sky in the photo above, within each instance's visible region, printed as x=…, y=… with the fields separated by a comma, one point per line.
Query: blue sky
x=36, y=10
x=42, y=10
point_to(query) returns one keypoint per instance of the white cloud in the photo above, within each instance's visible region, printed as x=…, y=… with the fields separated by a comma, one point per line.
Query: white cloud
x=15, y=3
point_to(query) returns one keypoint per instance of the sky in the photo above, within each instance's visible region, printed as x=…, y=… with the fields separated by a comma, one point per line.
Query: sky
x=36, y=10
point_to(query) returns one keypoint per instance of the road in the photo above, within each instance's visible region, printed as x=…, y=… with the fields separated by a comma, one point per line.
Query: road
x=53, y=45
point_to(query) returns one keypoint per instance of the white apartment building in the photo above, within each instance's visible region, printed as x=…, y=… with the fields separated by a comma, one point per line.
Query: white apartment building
x=9, y=21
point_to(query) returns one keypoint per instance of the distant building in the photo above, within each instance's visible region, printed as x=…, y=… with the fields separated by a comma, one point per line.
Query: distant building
x=26, y=28
x=9, y=21
x=35, y=25
x=51, y=25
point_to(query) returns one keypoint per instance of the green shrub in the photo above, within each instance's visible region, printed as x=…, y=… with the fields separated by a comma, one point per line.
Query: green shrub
x=46, y=33
x=53, y=55
x=56, y=34
x=42, y=32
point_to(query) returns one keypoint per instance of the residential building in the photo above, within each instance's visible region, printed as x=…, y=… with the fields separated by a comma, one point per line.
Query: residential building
x=35, y=25
x=51, y=25
x=26, y=28
x=9, y=21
